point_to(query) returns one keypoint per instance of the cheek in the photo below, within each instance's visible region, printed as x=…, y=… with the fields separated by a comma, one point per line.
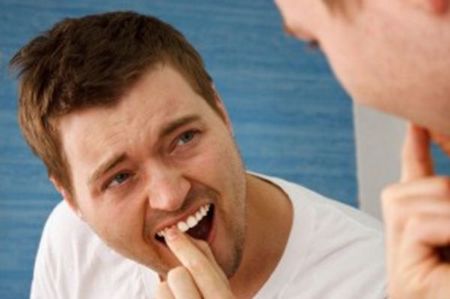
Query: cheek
x=221, y=169
x=209, y=168
x=353, y=71
x=117, y=223
x=215, y=158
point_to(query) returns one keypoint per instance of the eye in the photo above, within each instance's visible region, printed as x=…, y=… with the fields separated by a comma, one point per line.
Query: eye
x=117, y=180
x=186, y=137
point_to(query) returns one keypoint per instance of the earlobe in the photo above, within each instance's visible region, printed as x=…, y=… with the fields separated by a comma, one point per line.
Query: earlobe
x=67, y=197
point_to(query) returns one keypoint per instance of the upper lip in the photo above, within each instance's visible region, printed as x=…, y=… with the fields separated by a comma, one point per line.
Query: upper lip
x=171, y=221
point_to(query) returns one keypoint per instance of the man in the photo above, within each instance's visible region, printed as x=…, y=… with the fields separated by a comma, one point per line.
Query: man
x=394, y=56
x=138, y=143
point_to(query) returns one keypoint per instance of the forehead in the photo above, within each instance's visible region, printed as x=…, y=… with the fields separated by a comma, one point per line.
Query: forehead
x=160, y=96
x=161, y=92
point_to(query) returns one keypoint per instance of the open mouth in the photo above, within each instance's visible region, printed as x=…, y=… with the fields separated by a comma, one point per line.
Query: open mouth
x=198, y=225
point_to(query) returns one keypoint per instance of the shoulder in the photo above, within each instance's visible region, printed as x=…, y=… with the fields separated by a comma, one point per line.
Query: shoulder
x=55, y=255
x=338, y=250
x=306, y=200
x=63, y=225
x=72, y=262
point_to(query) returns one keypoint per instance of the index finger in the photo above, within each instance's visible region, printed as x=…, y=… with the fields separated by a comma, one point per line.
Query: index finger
x=209, y=281
x=416, y=157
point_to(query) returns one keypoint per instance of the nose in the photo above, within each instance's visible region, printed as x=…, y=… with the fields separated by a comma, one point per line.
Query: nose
x=167, y=189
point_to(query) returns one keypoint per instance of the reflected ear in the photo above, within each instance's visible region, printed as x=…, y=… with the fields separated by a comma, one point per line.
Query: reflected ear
x=66, y=196
x=438, y=7
x=222, y=110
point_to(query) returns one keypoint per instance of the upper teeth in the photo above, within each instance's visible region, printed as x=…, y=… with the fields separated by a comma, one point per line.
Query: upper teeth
x=189, y=222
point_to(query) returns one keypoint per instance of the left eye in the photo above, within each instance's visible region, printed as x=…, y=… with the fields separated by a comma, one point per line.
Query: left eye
x=186, y=137
x=118, y=179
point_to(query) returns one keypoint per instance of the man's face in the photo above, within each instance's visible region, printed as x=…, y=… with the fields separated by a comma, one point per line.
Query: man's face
x=387, y=54
x=159, y=158
x=339, y=34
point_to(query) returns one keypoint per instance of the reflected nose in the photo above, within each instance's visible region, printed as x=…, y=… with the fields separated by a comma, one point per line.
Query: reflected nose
x=168, y=189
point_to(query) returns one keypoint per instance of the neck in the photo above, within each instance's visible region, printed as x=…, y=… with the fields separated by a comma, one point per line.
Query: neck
x=269, y=221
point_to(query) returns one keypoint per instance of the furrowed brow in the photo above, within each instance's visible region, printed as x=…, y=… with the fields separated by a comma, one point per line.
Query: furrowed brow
x=105, y=167
x=172, y=126
x=116, y=159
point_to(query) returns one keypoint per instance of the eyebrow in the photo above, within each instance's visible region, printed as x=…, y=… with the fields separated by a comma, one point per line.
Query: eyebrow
x=106, y=166
x=172, y=126
x=118, y=158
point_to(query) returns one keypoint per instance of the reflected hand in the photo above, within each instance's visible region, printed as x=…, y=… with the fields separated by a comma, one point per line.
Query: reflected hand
x=417, y=218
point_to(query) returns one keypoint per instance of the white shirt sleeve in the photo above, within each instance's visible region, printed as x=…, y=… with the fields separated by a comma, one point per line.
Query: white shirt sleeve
x=73, y=263
x=44, y=275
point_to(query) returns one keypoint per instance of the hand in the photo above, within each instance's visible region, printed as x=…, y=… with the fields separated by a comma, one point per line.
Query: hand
x=199, y=276
x=417, y=218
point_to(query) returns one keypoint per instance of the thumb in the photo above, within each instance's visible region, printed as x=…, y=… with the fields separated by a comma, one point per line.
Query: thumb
x=416, y=157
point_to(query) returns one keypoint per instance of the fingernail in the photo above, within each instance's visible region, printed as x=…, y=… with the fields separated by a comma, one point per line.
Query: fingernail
x=171, y=233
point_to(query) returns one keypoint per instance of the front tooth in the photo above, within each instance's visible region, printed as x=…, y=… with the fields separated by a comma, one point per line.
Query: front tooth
x=191, y=221
x=182, y=226
x=198, y=216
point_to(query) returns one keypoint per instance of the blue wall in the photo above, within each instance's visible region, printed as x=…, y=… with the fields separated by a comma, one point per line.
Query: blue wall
x=291, y=118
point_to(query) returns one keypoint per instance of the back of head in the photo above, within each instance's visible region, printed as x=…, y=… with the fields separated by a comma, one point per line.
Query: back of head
x=90, y=62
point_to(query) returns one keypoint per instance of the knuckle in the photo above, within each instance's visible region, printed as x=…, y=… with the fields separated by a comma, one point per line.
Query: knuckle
x=195, y=265
x=415, y=223
x=389, y=199
x=177, y=273
x=390, y=193
x=161, y=290
x=444, y=184
x=386, y=196
x=394, y=212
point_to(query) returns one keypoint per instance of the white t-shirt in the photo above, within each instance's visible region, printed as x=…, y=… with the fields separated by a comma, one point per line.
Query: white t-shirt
x=333, y=252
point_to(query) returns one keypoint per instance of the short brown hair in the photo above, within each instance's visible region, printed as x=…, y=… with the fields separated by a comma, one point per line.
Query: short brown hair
x=89, y=62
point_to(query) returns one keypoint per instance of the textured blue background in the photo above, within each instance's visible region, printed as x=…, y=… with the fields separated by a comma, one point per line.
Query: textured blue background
x=291, y=118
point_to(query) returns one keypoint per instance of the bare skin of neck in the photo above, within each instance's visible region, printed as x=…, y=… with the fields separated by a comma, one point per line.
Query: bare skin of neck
x=269, y=221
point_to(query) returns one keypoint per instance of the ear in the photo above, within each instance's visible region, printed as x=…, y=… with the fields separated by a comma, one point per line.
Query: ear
x=438, y=7
x=66, y=196
x=222, y=110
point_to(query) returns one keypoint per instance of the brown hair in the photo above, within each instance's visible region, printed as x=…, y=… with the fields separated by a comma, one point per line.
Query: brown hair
x=90, y=62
